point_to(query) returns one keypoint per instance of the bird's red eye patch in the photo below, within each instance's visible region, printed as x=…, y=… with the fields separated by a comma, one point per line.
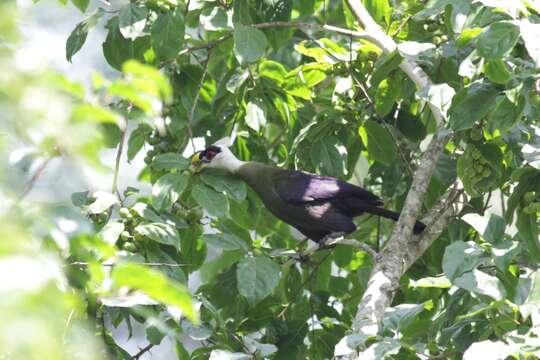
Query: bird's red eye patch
x=210, y=154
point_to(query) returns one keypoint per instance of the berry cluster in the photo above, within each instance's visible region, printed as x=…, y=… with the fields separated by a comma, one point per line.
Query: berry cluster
x=532, y=200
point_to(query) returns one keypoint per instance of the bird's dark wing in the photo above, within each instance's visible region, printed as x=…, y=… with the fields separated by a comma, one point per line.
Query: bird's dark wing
x=301, y=187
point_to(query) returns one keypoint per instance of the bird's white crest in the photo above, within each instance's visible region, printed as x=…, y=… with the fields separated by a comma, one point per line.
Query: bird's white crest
x=227, y=141
x=225, y=160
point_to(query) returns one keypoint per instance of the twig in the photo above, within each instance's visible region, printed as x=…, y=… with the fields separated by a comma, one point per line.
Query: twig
x=123, y=129
x=187, y=7
x=84, y=263
x=143, y=351
x=282, y=24
x=30, y=185
x=401, y=26
x=196, y=100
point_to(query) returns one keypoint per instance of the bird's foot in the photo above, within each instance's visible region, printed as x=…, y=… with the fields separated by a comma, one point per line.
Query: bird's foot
x=329, y=241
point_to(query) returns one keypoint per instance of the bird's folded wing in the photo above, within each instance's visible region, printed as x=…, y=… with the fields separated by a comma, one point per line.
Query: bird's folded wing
x=301, y=187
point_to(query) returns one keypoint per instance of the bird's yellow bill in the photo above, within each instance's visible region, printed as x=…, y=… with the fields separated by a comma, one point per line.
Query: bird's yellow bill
x=196, y=159
x=196, y=163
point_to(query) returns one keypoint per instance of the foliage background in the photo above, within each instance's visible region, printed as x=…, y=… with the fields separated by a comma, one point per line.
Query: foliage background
x=298, y=96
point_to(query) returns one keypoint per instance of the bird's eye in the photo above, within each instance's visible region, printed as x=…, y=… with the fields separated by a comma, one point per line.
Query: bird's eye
x=209, y=155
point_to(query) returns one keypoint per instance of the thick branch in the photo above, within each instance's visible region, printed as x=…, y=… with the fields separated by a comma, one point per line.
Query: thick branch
x=401, y=251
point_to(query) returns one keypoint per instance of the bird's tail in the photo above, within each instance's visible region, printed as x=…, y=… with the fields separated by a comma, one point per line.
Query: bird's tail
x=389, y=214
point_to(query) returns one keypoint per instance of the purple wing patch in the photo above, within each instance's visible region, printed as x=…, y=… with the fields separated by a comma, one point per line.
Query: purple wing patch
x=302, y=187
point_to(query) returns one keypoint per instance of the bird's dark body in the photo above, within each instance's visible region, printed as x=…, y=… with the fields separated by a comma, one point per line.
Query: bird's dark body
x=315, y=205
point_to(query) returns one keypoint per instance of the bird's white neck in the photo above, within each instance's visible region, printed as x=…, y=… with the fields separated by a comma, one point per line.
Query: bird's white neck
x=227, y=161
x=232, y=164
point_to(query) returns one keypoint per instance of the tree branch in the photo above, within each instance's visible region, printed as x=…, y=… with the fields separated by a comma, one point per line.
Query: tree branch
x=400, y=251
x=35, y=176
x=123, y=129
x=143, y=351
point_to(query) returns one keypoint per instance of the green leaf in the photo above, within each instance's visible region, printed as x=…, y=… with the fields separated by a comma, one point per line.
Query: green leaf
x=82, y=5
x=118, y=49
x=384, y=66
x=167, y=190
x=249, y=44
x=132, y=20
x=76, y=40
x=223, y=182
x=136, y=140
x=103, y=201
x=272, y=70
x=497, y=72
x=255, y=117
x=494, y=350
x=530, y=33
x=529, y=234
x=402, y=315
x=81, y=199
x=168, y=35
x=329, y=156
x=386, y=96
x=497, y=40
x=460, y=257
x=411, y=126
x=479, y=282
x=169, y=161
x=380, y=10
x=215, y=19
x=144, y=211
x=465, y=111
x=160, y=232
x=226, y=241
x=111, y=232
x=532, y=302
x=257, y=277
x=157, y=286
x=503, y=116
x=380, y=143
x=154, y=335
x=227, y=355
x=215, y=203
x=94, y=113
x=504, y=253
x=440, y=282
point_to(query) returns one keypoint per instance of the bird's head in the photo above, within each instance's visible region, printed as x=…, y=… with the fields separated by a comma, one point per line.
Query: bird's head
x=216, y=157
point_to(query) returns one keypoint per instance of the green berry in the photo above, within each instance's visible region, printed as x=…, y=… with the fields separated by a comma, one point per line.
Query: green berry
x=124, y=212
x=529, y=197
x=535, y=207
x=153, y=140
x=153, y=152
x=147, y=160
x=103, y=217
x=529, y=209
x=163, y=146
x=486, y=173
x=476, y=135
x=129, y=246
x=125, y=236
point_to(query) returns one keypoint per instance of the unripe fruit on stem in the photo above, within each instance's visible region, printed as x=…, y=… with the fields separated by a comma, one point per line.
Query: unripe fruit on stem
x=529, y=197
x=476, y=135
x=129, y=246
x=125, y=235
x=124, y=212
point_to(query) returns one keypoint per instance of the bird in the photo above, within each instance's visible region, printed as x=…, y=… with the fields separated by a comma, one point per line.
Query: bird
x=319, y=207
